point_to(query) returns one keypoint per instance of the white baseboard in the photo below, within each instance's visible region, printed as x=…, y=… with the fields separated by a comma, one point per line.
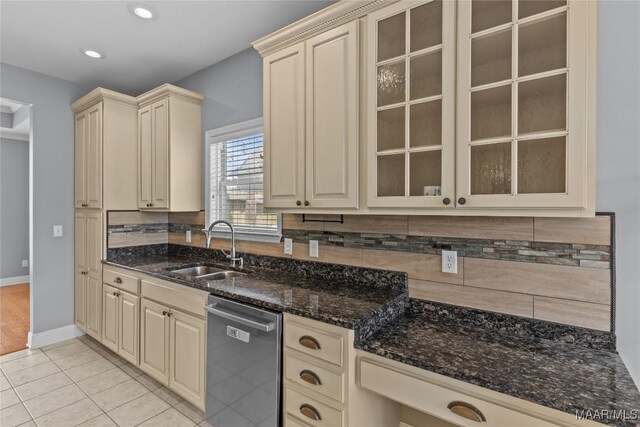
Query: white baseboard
x=7, y=281
x=53, y=336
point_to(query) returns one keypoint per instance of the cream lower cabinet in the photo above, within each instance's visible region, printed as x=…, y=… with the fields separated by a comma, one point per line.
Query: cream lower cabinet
x=311, y=123
x=120, y=317
x=88, y=272
x=172, y=349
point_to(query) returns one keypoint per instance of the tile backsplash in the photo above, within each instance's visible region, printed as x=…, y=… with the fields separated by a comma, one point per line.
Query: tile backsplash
x=554, y=269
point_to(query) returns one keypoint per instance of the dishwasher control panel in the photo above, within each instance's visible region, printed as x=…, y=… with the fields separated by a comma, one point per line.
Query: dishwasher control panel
x=238, y=334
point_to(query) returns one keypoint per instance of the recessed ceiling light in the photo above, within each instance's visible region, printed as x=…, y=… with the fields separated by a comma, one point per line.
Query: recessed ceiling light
x=92, y=53
x=141, y=11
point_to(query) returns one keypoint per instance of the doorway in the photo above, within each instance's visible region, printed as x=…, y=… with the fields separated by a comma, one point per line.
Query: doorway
x=15, y=234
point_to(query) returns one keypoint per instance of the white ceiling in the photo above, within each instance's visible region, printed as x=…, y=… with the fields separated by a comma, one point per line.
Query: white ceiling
x=46, y=36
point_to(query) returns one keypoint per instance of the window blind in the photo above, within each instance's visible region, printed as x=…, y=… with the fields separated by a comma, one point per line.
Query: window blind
x=236, y=173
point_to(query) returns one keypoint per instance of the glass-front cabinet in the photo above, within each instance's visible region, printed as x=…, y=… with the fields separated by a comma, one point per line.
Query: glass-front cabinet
x=411, y=106
x=522, y=116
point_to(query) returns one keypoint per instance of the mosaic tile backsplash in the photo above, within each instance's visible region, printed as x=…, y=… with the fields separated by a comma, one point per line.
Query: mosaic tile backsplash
x=553, y=269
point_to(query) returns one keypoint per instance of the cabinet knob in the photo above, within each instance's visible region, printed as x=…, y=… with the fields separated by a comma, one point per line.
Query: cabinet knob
x=117, y=280
x=310, y=377
x=446, y=201
x=466, y=410
x=169, y=314
x=306, y=203
x=115, y=294
x=462, y=201
x=310, y=412
x=164, y=313
x=298, y=203
x=309, y=342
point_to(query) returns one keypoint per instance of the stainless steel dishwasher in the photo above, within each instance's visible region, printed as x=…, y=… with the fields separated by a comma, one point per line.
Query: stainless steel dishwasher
x=243, y=365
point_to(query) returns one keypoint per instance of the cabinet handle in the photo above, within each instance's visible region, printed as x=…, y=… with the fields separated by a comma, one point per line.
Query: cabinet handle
x=164, y=313
x=84, y=205
x=150, y=205
x=117, y=280
x=306, y=203
x=462, y=201
x=310, y=377
x=310, y=412
x=298, y=203
x=115, y=294
x=466, y=410
x=446, y=201
x=169, y=314
x=309, y=342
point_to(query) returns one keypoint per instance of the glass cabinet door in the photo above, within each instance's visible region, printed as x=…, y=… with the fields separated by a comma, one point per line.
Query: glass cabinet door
x=411, y=121
x=521, y=118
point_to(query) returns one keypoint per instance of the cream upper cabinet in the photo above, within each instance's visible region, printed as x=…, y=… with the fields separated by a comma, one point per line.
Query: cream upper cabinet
x=525, y=117
x=169, y=149
x=411, y=105
x=284, y=161
x=89, y=158
x=88, y=277
x=311, y=122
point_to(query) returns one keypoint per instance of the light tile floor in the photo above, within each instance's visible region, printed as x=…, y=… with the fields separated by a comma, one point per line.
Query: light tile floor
x=80, y=383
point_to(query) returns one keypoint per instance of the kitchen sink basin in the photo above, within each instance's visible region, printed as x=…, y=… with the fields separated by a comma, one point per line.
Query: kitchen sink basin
x=198, y=271
x=208, y=273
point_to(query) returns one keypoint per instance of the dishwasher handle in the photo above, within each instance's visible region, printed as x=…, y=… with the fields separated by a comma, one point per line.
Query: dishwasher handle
x=266, y=327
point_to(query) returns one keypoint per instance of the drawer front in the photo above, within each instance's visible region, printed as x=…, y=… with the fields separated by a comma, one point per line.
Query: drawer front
x=322, y=345
x=298, y=404
x=289, y=421
x=434, y=399
x=122, y=281
x=184, y=300
x=314, y=377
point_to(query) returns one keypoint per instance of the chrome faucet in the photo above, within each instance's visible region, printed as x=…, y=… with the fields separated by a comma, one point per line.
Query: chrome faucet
x=235, y=261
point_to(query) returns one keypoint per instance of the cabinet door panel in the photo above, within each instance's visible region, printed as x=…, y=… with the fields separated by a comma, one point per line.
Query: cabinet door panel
x=81, y=270
x=145, y=145
x=94, y=157
x=160, y=154
x=521, y=131
x=80, y=159
x=110, y=317
x=284, y=128
x=94, y=273
x=187, y=356
x=154, y=340
x=80, y=300
x=411, y=105
x=332, y=118
x=129, y=313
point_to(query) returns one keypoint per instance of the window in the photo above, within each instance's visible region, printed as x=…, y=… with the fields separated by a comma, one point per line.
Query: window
x=235, y=182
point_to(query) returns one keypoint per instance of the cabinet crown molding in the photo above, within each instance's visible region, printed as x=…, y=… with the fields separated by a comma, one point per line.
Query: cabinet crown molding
x=166, y=90
x=100, y=94
x=325, y=19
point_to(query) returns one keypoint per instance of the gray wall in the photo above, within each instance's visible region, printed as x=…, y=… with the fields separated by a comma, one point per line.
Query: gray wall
x=53, y=186
x=233, y=91
x=14, y=205
x=619, y=160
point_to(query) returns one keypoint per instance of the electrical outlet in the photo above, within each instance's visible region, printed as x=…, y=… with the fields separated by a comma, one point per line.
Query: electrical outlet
x=288, y=246
x=57, y=231
x=25, y=263
x=313, y=248
x=450, y=262
x=188, y=236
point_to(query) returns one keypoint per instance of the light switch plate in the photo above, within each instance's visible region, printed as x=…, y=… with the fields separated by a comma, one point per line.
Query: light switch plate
x=57, y=231
x=188, y=236
x=288, y=246
x=450, y=262
x=313, y=248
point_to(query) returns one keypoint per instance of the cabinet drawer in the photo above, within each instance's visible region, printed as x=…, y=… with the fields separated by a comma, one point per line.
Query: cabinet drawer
x=289, y=421
x=122, y=281
x=314, y=377
x=434, y=399
x=313, y=342
x=297, y=404
x=178, y=296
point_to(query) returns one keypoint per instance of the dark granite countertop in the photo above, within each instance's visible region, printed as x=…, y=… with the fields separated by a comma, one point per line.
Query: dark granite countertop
x=342, y=303
x=549, y=372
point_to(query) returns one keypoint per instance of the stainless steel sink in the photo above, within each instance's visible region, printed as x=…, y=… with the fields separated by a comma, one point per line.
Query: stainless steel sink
x=222, y=275
x=207, y=272
x=201, y=270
